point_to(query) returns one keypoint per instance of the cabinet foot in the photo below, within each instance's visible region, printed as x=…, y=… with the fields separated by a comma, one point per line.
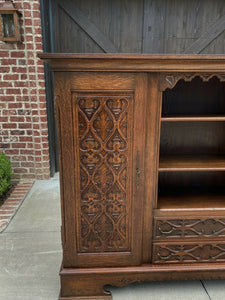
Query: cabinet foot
x=82, y=286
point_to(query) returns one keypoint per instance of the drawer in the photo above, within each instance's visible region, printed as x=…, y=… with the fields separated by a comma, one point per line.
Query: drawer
x=189, y=252
x=183, y=227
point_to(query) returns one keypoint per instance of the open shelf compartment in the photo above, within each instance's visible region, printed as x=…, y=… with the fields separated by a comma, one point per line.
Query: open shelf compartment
x=191, y=190
x=196, y=100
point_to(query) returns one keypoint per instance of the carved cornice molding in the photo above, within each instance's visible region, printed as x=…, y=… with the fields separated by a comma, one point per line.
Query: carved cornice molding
x=170, y=80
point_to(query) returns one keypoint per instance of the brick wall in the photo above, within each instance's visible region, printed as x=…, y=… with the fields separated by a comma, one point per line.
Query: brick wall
x=23, y=118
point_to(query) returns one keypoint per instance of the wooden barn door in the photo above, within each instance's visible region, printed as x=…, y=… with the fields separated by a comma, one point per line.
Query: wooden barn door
x=129, y=26
x=138, y=26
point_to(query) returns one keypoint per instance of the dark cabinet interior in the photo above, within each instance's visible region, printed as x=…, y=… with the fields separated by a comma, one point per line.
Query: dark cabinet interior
x=192, y=145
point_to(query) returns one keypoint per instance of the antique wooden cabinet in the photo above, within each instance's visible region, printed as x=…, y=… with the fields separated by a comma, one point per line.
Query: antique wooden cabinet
x=142, y=169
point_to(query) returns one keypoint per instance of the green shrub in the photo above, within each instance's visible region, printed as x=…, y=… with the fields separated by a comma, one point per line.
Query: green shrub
x=5, y=173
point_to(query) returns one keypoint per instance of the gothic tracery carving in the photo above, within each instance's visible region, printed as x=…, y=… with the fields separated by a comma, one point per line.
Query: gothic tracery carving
x=104, y=149
x=170, y=80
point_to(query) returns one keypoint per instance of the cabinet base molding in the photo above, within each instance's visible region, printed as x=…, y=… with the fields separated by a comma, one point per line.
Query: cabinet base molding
x=109, y=297
x=88, y=283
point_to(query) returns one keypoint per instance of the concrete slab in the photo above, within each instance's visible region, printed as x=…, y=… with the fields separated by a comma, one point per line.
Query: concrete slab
x=215, y=289
x=30, y=264
x=169, y=290
x=41, y=209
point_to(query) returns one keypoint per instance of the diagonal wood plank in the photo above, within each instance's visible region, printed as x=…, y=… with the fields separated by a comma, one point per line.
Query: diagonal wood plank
x=207, y=37
x=90, y=28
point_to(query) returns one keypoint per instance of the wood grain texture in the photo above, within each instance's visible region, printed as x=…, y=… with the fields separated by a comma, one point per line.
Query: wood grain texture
x=144, y=26
x=79, y=17
x=151, y=153
x=190, y=118
x=191, y=200
x=189, y=227
x=207, y=37
x=135, y=63
x=189, y=252
x=90, y=282
x=192, y=138
x=191, y=163
x=95, y=27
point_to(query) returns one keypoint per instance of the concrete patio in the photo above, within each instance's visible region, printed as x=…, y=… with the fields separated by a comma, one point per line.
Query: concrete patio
x=30, y=257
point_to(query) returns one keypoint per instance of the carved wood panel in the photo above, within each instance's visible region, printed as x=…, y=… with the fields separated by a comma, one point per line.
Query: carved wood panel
x=104, y=142
x=170, y=80
x=189, y=252
x=189, y=228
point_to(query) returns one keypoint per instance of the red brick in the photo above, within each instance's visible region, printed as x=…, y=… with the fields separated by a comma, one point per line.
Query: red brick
x=29, y=30
x=26, y=152
x=13, y=91
x=28, y=22
x=15, y=105
x=32, y=69
x=5, y=84
x=12, y=152
x=36, y=6
x=4, y=145
x=30, y=46
x=38, y=30
x=4, y=54
x=9, y=112
x=25, y=126
x=17, y=119
x=27, y=14
x=38, y=46
x=23, y=76
x=4, y=69
x=9, y=126
x=36, y=14
x=30, y=176
x=21, y=46
x=11, y=77
x=27, y=5
x=3, y=119
x=8, y=62
x=37, y=22
x=25, y=139
x=21, y=62
x=30, y=62
x=41, y=76
x=38, y=39
x=29, y=38
x=20, y=84
x=18, y=145
x=19, y=69
x=17, y=54
x=20, y=170
x=27, y=164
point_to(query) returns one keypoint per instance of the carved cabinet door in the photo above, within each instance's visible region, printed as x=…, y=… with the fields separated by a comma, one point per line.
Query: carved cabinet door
x=101, y=127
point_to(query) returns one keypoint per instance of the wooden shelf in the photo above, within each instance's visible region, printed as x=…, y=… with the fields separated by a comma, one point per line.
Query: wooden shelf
x=191, y=200
x=191, y=163
x=193, y=118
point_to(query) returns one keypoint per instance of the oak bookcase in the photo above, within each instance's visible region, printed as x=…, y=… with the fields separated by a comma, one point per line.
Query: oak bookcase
x=142, y=169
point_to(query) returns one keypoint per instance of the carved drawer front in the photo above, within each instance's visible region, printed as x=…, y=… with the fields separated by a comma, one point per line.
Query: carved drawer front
x=203, y=227
x=189, y=252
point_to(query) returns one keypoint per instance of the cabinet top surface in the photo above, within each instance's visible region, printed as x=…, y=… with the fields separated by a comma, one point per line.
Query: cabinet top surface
x=135, y=62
